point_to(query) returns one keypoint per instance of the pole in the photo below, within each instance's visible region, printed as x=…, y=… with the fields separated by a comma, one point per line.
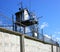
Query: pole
x=52, y=48
x=24, y=30
x=13, y=22
x=42, y=34
x=22, y=43
x=52, y=44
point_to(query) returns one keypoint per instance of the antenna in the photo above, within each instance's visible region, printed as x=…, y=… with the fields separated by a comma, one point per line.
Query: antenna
x=30, y=5
x=21, y=5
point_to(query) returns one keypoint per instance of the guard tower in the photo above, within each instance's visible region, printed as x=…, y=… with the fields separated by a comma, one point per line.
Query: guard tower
x=26, y=19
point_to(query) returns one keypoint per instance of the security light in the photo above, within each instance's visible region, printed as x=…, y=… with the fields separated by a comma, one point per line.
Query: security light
x=35, y=34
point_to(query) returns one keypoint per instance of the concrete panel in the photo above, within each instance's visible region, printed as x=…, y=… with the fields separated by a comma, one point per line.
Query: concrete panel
x=9, y=42
x=34, y=46
x=58, y=49
x=54, y=49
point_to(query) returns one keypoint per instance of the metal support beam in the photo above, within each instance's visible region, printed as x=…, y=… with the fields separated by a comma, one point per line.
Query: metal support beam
x=15, y=27
x=59, y=48
x=22, y=43
x=51, y=48
x=24, y=30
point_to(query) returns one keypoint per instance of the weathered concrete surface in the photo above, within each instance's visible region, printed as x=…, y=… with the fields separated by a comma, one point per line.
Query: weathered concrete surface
x=54, y=49
x=9, y=42
x=34, y=46
x=58, y=49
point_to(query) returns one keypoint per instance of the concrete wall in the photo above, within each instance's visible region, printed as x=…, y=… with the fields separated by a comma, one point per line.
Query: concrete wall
x=58, y=49
x=34, y=46
x=54, y=49
x=16, y=42
x=9, y=42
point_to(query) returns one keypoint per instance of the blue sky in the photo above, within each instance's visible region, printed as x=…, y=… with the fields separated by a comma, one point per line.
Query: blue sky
x=49, y=9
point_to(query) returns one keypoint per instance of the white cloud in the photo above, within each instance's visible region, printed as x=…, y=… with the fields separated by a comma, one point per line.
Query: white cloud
x=57, y=32
x=57, y=39
x=45, y=24
x=47, y=36
x=9, y=28
x=3, y=26
x=27, y=29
